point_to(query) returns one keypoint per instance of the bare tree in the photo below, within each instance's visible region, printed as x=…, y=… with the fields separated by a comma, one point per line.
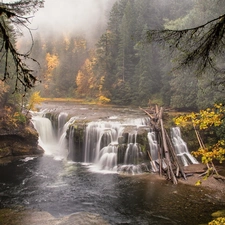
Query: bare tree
x=12, y=18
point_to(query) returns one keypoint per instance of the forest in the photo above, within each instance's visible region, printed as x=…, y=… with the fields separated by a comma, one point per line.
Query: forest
x=119, y=65
x=122, y=67
x=141, y=53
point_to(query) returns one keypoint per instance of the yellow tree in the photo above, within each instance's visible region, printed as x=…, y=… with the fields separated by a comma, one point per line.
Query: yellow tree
x=203, y=120
x=35, y=99
x=85, y=80
x=52, y=63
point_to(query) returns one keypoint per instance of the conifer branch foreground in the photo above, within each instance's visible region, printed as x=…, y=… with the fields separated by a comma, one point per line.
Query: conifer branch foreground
x=201, y=48
x=12, y=17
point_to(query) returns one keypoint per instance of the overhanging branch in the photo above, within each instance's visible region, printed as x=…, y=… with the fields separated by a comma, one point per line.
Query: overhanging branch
x=13, y=14
x=199, y=46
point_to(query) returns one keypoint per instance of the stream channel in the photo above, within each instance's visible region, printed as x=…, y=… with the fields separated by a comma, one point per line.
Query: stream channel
x=62, y=187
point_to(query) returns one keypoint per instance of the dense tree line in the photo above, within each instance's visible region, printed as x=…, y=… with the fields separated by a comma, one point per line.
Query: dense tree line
x=122, y=67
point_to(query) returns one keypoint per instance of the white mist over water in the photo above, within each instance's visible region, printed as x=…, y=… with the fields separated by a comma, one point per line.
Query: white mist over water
x=86, y=18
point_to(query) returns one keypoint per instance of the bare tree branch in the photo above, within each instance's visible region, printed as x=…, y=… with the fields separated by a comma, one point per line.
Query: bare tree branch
x=199, y=47
x=11, y=16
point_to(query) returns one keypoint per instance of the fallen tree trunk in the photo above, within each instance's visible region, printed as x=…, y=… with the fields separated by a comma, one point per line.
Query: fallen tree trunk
x=167, y=158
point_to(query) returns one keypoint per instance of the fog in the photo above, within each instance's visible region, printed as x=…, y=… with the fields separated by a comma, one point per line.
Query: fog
x=81, y=17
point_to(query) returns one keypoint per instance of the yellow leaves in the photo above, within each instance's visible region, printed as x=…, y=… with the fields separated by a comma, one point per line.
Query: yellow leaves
x=52, y=63
x=103, y=99
x=204, y=118
x=35, y=99
x=198, y=183
x=12, y=118
x=86, y=79
x=217, y=221
x=19, y=117
x=216, y=152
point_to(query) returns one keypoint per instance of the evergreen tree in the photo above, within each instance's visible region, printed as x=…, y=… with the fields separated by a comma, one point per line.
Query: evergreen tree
x=184, y=91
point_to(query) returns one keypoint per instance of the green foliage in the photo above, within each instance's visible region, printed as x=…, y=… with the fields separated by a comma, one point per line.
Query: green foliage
x=20, y=118
x=122, y=67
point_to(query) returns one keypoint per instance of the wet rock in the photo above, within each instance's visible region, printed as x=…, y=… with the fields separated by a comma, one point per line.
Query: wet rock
x=83, y=218
x=32, y=217
x=220, y=213
x=195, y=168
x=17, y=141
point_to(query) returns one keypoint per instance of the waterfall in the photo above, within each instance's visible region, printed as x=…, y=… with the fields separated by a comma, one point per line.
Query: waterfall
x=101, y=144
x=105, y=146
x=53, y=143
x=154, y=150
x=62, y=119
x=153, y=145
x=181, y=148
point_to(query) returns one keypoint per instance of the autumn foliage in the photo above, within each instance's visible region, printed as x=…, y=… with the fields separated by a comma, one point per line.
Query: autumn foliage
x=35, y=99
x=204, y=120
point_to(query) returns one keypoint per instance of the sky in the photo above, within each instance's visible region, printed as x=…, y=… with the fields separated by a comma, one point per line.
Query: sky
x=86, y=17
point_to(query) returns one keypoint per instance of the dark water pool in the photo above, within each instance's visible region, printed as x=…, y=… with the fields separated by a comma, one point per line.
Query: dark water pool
x=62, y=188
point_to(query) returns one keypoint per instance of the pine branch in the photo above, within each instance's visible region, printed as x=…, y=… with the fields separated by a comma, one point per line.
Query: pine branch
x=198, y=47
x=13, y=14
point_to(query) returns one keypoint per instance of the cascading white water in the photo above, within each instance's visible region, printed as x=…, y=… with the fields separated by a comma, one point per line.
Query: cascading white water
x=154, y=150
x=153, y=145
x=102, y=143
x=62, y=119
x=45, y=130
x=53, y=143
x=181, y=147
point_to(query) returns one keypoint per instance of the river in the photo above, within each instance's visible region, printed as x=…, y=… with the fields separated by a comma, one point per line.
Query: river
x=62, y=187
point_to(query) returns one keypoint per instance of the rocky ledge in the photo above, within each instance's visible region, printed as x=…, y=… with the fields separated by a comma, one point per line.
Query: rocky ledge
x=18, y=140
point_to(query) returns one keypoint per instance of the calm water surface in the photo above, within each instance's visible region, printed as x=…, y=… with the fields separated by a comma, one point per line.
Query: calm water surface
x=62, y=188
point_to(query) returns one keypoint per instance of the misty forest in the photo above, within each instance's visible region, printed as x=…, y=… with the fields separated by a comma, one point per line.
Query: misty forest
x=120, y=66
x=104, y=103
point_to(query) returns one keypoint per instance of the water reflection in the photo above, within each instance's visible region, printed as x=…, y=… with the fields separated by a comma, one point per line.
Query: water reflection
x=62, y=188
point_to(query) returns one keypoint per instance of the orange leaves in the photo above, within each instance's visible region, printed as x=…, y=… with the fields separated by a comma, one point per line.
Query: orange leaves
x=12, y=118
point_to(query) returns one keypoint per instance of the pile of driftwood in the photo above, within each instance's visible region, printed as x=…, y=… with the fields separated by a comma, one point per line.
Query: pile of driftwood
x=168, y=163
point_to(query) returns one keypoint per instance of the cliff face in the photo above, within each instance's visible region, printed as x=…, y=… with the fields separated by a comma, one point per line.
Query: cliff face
x=18, y=140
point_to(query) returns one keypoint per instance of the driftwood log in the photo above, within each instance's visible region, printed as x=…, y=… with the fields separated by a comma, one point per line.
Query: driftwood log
x=166, y=151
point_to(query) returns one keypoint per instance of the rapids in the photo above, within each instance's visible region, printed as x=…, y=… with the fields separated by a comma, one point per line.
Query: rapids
x=62, y=188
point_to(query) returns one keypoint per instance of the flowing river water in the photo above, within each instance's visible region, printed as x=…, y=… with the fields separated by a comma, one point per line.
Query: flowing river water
x=63, y=187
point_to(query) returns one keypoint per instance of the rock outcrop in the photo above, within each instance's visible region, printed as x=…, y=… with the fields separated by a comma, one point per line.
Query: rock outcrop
x=18, y=140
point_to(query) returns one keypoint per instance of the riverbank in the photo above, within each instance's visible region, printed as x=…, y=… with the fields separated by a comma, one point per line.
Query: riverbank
x=18, y=140
x=196, y=178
